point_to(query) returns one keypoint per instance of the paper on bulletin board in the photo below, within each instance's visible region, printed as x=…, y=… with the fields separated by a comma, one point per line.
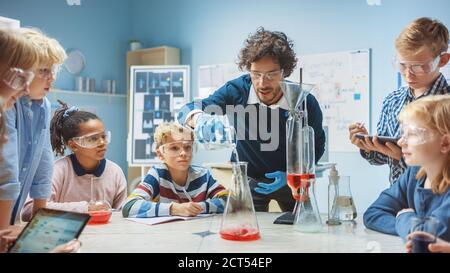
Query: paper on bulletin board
x=342, y=82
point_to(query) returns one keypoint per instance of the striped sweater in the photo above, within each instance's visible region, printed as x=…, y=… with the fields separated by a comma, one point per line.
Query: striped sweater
x=154, y=196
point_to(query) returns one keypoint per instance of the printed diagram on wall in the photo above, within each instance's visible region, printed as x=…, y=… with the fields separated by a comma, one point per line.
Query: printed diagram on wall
x=342, y=82
x=212, y=77
x=157, y=94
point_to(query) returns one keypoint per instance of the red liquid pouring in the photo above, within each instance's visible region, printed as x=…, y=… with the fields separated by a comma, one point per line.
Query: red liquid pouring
x=240, y=234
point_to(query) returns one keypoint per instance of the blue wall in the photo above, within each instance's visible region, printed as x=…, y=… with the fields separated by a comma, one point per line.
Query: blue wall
x=210, y=32
x=99, y=28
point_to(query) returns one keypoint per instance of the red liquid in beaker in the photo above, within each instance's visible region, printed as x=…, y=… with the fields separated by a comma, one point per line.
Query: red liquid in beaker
x=240, y=234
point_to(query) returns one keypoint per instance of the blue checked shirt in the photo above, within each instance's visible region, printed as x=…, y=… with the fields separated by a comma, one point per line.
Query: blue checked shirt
x=28, y=153
x=389, y=125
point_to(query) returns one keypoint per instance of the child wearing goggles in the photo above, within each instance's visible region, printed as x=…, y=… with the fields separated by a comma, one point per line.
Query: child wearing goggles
x=175, y=187
x=74, y=175
x=424, y=189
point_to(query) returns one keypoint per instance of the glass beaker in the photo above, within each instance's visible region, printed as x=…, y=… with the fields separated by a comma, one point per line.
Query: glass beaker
x=239, y=221
x=344, y=206
x=223, y=136
x=98, y=197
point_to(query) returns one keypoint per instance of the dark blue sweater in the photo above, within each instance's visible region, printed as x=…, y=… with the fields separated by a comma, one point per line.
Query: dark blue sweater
x=236, y=92
x=408, y=192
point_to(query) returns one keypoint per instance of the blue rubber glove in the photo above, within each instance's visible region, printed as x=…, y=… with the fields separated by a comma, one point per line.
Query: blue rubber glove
x=268, y=188
x=208, y=128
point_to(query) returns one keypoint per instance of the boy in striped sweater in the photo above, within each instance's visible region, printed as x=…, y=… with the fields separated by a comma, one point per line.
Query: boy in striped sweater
x=175, y=187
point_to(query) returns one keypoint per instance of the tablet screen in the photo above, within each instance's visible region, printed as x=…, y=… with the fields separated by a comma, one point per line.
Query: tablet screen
x=49, y=229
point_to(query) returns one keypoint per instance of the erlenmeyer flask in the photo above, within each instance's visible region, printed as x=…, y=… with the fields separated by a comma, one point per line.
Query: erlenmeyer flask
x=345, y=206
x=307, y=216
x=239, y=221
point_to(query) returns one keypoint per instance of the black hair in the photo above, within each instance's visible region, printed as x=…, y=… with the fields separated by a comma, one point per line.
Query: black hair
x=66, y=125
x=268, y=43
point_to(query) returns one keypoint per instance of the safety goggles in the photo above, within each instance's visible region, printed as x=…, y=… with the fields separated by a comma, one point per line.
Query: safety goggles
x=270, y=76
x=174, y=149
x=18, y=79
x=47, y=73
x=417, y=68
x=415, y=135
x=93, y=140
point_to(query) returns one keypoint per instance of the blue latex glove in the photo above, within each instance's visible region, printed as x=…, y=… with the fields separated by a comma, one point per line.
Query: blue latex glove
x=208, y=127
x=268, y=188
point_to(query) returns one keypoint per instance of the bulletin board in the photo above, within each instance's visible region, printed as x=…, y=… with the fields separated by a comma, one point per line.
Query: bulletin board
x=342, y=82
x=157, y=93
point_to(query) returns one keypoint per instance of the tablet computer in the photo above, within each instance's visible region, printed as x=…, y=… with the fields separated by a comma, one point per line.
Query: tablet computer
x=381, y=139
x=49, y=229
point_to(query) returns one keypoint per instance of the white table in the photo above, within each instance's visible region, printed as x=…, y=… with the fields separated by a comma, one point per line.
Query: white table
x=121, y=235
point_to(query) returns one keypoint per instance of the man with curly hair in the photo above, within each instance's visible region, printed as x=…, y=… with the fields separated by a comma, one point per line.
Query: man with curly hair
x=269, y=57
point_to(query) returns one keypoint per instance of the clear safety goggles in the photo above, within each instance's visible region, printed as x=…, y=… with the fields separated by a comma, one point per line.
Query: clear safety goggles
x=18, y=79
x=417, y=68
x=174, y=149
x=93, y=140
x=415, y=135
x=47, y=73
x=270, y=76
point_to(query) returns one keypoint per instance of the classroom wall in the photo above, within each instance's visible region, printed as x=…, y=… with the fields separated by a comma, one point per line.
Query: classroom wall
x=99, y=28
x=210, y=32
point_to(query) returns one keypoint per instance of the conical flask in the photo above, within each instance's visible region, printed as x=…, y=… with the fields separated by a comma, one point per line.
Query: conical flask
x=239, y=221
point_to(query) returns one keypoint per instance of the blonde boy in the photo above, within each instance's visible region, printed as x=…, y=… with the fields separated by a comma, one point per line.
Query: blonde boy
x=421, y=51
x=28, y=153
x=175, y=187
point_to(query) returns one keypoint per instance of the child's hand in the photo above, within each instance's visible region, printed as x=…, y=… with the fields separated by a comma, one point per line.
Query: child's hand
x=8, y=237
x=354, y=129
x=97, y=207
x=186, y=209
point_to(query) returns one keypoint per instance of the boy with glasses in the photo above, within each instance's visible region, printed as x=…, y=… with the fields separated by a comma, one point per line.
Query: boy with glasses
x=421, y=52
x=175, y=187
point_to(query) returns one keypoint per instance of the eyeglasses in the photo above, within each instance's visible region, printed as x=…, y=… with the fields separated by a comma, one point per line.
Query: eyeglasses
x=270, y=76
x=415, y=135
x=18, y=79
x=174, y=149
x=93, y=140
x=47, y=73
x=417, y=68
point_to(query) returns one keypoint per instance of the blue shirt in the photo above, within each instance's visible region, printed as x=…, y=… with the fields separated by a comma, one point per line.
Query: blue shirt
x=240, y=92
x=408, y=192
x=28, y=153
x=388, y=124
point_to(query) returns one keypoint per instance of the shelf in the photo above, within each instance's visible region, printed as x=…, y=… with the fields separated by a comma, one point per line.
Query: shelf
x=87, y=93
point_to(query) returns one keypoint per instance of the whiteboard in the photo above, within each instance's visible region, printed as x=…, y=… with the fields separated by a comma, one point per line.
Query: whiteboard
x=212, y=77
x=157, y=93
x=342, y=82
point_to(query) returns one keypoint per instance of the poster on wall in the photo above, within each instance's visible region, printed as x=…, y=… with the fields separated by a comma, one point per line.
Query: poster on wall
x=157, y=94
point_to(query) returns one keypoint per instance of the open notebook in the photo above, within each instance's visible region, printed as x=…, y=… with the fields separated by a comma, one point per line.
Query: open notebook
x=166, y=219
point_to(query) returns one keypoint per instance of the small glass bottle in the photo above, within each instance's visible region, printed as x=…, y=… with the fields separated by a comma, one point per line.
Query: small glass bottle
x=333, y=218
